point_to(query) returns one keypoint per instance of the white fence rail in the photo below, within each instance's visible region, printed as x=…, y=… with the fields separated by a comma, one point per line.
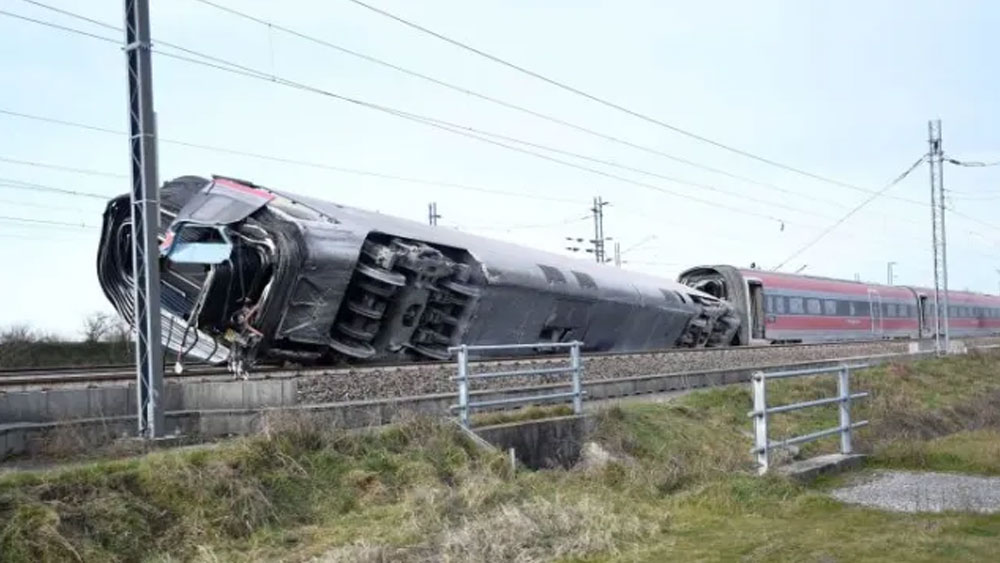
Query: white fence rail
x=761, y=412
x=573, y=368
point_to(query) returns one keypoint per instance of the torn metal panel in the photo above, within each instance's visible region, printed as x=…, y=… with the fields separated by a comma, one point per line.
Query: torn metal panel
x=275, y=276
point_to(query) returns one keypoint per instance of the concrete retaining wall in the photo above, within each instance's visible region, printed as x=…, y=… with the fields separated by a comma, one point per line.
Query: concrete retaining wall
x=56, y=405
x=253, y=402
x=538, y=444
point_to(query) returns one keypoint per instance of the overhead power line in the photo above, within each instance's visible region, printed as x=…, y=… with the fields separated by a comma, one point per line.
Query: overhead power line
x=516, y=227
x=242, y=70
x=50, y=166
x=36, y=205
x=229, y=66
x=10, y=183
x=972, y=164
x=605, y=102
x=31, y=221
x=299, y=162
x=238, y=69
x=271, y=25
x=850, y=213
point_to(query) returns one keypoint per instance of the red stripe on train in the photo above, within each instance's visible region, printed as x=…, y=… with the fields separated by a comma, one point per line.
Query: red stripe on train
x=803, y=322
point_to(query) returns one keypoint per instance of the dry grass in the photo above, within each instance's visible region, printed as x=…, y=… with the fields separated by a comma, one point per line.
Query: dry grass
x=421, y=491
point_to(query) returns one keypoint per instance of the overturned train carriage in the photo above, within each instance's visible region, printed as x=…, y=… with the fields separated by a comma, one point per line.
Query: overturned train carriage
x=250, y=273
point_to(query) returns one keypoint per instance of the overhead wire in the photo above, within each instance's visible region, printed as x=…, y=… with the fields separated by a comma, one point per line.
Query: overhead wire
x=9, y=183
x=492, y=99
x=300, y=162
x=235, y=68
x=614, y=164
x=45, y=222
x=62, y=168
x=253, y=73
x=812, y=242
x=611, y=104
x=522, y=226
x=971, y=164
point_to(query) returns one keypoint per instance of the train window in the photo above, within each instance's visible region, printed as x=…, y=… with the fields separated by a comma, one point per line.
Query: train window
x=890, y=309
x=779, y=305
x=864, y=308
x=829, y=307
x=795, y=306
x=585, y=280
x=904, y=310
x=769, y=304
x=851, y=309
x=552, y=275
x=814, y=307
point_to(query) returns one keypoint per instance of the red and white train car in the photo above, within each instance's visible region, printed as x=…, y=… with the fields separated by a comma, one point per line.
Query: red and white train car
x=777, y=307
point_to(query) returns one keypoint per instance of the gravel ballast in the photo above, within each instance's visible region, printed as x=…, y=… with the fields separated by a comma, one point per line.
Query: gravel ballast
x=415, y=379
x=904, y=491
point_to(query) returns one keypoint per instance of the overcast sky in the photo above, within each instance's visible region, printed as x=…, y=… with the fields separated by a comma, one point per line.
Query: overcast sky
x=840, y=89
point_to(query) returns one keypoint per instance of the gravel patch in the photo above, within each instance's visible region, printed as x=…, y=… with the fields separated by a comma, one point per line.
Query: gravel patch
x=416, y=379
x=904, y=491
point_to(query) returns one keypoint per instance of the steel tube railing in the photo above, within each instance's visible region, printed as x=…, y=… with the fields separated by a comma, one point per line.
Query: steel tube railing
x=477, y=347
x=529, y=372
x=517, y=400
x=811, y=436
x=464, y=405
x=807, y=404
x=760, y=413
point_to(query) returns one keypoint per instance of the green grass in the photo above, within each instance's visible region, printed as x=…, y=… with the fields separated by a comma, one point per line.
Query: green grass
x=681, y=488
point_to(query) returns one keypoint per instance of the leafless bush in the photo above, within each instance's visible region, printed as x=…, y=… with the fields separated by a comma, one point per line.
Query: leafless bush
x=105, y=327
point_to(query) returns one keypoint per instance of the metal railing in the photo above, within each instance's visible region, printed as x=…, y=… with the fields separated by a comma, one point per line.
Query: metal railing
x=761, y=411
x=574, y=369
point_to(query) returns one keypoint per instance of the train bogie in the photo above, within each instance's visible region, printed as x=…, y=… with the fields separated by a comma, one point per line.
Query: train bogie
x=266, y=274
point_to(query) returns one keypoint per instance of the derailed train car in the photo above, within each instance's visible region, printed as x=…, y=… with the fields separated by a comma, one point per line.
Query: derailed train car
x=252, y=273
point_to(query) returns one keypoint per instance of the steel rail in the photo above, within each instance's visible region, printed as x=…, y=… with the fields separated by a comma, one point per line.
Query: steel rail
x=111, y=372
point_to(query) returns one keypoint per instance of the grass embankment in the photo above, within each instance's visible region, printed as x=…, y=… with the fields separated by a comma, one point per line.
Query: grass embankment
x=682, y=488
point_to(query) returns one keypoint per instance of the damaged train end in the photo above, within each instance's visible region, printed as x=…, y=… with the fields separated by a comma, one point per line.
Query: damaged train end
x=253, y=274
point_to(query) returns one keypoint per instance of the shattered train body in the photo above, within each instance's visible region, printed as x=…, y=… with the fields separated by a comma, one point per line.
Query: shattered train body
x=254, y=274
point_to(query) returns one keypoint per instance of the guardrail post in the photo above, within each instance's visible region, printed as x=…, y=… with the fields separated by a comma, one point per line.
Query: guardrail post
x=463, y=385
x=760, y=421
x=574, y=356
x=844, y=388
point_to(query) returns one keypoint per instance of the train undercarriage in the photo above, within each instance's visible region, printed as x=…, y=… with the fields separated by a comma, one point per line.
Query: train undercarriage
x=251, y=274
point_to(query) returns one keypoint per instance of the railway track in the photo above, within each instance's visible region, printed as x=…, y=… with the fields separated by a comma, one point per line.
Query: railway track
x=27, y=437
x=42, y=377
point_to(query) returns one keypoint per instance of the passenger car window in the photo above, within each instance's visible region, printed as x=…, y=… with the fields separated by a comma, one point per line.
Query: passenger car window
x=795, y=306
x=779, y=303
x=814, y=307
x=830, y=307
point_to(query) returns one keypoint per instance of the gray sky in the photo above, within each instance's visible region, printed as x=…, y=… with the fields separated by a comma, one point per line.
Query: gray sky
x=840, y=89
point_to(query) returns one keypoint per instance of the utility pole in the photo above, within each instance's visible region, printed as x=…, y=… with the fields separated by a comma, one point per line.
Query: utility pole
x=598, y=241
x=939, y=240
x=432, y=213
x=618, y=254
x=890, y=277
x=145, y=221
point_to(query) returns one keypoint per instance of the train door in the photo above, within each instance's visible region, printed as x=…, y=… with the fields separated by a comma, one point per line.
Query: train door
x=924, y=315
x=755, y=296
x=875, y=310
